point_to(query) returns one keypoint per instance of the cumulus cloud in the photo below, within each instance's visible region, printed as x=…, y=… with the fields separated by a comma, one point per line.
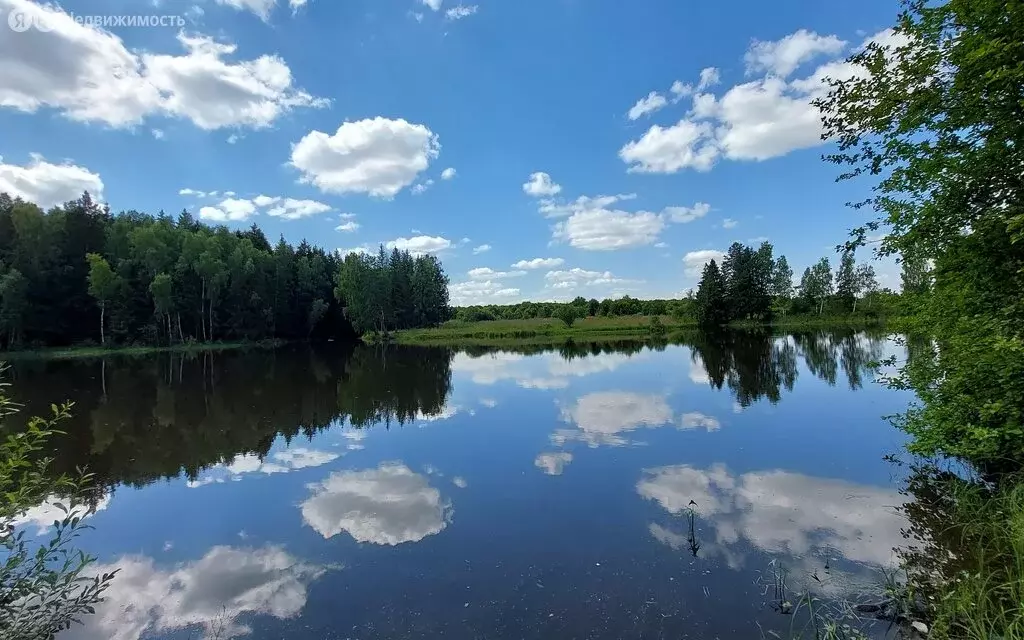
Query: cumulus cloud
x=696, y=420
x=540, y=184
x=757, y=120
x=347, y=227
x=694, y=261
x=261, y=8
x=422, y=187
x=576, y=277
x=709, y=77
x=389, y=505
x=539, y=263
x=434, y=5
x=48, y=184
x=782, y=57
x=89, y=75
x=419, y=245
x=486, y=273
x=781, y=512
x=484, y=248
x=481, y=292
x=226, y=584
x=360, y=250
x=461, y=11
x=608, y=230
x=277, y=462
x=239, y=209
x=378, y=156
x=647, y=105
x=551, y=368
x=42, y=516
x=448, y=173
x=603, y=417
x=553, y=463
x=683, y=215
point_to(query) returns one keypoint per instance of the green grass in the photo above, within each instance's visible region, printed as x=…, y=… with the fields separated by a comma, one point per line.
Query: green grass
x=64, y=353
x=984, y=598
x=541, y=330
x=537, y=330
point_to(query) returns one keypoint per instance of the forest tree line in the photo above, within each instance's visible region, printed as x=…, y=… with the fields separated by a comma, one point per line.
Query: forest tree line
x=77, y=274
x=751, y=284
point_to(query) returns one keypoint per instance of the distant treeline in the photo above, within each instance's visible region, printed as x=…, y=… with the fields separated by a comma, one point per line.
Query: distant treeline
x=77, y=274
x=750, y=285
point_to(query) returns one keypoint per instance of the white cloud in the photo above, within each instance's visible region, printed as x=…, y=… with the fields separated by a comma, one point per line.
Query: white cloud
x=572, y=278
x=540, y=184
x=48, y=184
x=292, y=209
x=265, y=201
x=461, y=11
x=780, y=512
x=389, y=505
x=418, y=245
x=238, y=209
x=694, y=261
x=278, y=462
x=765, y=118
x=448, y=173
x=709, y=77
x=296, y=4
x=609, y=230
x=422, y=187
x=539, y=263
x=42, y=516
x=729, y=223
x=553, y=209
x=229, y=210
x=378, y=156
x=484, y=248
x=360, y=250
x=191, y=192
x=683, y=215
x=481, y=292
x=603, y=416
x=227, y=583
x=647, y=105
x=261, y=8
x=680, y=90
x=782, y=57
x=347, y=227
x=88, y=75
x=435, y=5
x=553, y=463
x=486, y=273
x=158, y=134
x=696, y=420
x=668, y=149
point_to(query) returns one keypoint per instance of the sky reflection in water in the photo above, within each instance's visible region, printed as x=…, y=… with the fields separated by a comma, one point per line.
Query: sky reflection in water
x=430, y=492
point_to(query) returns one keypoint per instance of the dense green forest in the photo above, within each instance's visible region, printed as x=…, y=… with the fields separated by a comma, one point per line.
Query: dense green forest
x=77, y=274
x=751, y=284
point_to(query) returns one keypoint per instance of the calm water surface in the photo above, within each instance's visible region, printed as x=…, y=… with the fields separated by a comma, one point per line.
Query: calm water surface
x=424, y=493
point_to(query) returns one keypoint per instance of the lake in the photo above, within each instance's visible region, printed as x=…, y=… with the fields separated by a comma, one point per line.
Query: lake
x=582, y=491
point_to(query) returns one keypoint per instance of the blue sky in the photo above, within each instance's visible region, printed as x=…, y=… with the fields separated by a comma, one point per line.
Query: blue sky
x=542, y=148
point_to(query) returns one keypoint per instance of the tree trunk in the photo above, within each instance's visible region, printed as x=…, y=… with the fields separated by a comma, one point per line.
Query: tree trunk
x=202, y=309
x=855, y=305
x=103, y=337
x=181, y=337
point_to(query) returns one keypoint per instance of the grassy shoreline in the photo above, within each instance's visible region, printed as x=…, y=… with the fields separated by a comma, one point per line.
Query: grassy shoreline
x=66, y=353
x=540, y=330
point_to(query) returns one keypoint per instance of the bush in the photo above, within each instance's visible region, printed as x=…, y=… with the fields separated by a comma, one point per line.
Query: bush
x=567, y=314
